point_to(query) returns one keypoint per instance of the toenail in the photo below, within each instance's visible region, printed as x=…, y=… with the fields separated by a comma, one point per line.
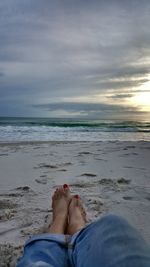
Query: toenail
x=77, y=196
x=65, y=186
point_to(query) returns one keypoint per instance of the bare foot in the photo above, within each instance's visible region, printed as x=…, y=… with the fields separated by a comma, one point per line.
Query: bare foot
x=60, y=204
x=77, y=216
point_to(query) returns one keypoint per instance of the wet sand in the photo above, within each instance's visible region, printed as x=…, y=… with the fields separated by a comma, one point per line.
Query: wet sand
x=111, y=177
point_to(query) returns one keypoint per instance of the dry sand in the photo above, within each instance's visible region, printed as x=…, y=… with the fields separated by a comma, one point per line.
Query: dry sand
x=111, y=177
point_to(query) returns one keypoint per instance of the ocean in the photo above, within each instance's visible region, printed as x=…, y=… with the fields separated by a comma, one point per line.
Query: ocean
x=47, y=129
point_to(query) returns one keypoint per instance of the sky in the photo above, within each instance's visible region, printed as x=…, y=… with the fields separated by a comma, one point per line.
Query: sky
x=67, y=58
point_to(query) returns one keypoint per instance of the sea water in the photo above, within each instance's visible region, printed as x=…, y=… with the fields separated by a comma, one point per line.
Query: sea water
x=48, y=129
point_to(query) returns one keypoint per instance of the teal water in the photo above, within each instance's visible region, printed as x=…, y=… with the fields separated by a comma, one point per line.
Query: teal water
x=48, y=129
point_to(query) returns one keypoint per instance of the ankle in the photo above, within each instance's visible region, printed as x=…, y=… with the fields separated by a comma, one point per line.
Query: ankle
x=76, y=224
x=57, y=226
x=58, y=218
x=74, y=228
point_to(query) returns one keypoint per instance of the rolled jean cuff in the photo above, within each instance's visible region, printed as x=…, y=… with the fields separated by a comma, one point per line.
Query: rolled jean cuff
x=59, y=238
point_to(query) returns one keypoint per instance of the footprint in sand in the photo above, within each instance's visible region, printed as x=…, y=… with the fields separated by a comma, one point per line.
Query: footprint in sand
x=51, y=166
x=41, y=180
x=25, y=188
x=128, y=198
x=130, y=147
x=44, y=165
x=117, y=184
x=18, y=192
x=84, y=153
x=106, y=181
x=65, y=164
x=132, y=198
x=128, y=167
x=89, y=174
x=105, y=160
x=123, y=181
x=82, y=185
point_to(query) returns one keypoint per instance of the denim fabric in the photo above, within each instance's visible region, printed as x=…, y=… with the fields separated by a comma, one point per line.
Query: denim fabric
x=108, y=242
x=45, y=250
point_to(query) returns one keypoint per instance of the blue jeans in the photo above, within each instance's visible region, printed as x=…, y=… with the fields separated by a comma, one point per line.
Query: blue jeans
x=108, y=242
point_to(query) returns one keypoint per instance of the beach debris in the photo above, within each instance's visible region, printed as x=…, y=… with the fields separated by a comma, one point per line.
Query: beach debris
x=7, y=209
x=9, y=254
x=8, y=213
x=7, y=204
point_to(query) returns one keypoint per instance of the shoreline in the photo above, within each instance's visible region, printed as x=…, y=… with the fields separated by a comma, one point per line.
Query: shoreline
x=68, y=142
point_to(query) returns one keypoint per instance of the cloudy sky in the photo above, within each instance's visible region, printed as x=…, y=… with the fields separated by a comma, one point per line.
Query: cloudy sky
x=75, y=58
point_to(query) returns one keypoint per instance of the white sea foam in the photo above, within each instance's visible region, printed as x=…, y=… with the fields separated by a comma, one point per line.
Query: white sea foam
x=11, y=133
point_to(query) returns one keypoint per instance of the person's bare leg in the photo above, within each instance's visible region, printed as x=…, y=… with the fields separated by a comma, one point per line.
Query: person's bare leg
x=77, y=215
x=60, y=204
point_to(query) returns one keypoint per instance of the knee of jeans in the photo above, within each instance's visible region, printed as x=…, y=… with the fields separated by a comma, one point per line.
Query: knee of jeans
x=110, y=220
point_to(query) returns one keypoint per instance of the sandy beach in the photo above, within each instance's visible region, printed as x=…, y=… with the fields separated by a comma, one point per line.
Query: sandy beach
x=111, y=177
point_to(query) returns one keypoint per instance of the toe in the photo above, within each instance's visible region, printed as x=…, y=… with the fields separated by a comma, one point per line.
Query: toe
x=66, y=186
x=66, y=189
x=59, y=192
x=77, y=198
x=55, y=194
x=74, y=201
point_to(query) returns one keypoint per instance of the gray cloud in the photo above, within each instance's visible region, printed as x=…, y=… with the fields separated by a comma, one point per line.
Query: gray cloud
x=120, y=96
x=82, y=107
x=91, y=110
x=55, y=49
